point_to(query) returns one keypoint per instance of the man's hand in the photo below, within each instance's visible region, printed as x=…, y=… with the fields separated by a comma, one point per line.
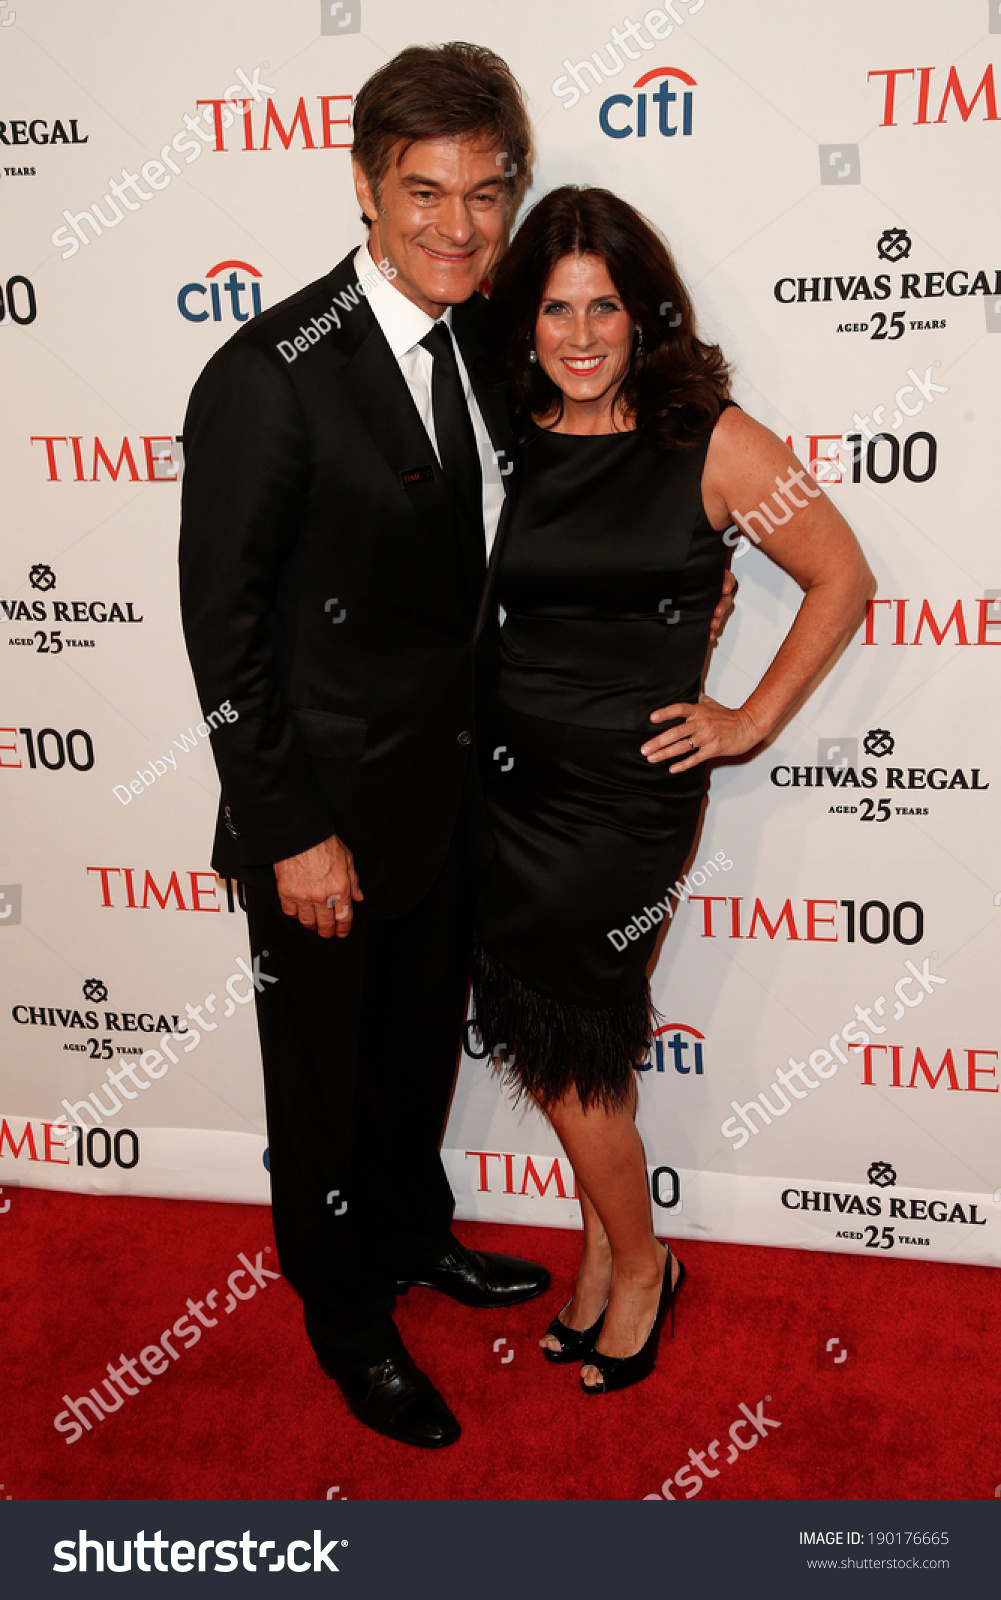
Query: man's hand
x=319, y=887
x=724, y=606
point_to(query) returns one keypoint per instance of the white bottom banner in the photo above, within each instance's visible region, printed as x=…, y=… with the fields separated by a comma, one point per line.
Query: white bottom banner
x=531, y=1190
x=798, y=1213
x=172, y=1163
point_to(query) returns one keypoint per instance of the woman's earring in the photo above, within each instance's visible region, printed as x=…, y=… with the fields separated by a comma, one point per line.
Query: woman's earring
x=532, y=356
x=639, y=338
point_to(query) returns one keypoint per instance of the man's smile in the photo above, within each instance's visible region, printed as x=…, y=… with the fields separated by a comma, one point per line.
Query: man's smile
x=450, y=257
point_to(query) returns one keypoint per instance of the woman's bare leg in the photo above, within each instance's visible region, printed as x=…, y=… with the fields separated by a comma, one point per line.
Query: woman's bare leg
x=606, y=1153
x=593, y=1275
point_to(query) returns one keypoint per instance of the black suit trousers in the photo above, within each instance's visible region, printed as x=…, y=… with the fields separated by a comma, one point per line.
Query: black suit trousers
x=360, y=1041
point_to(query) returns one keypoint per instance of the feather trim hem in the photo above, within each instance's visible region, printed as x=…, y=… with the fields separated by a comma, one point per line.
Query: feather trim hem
x=546, y=1046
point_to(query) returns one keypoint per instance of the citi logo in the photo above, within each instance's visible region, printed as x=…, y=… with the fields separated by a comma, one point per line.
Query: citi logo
x=664, y=99
x=620, y=49
x=685, y=1053
x=233, y=286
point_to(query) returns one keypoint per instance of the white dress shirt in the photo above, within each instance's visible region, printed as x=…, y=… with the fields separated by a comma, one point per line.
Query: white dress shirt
x=404, y=326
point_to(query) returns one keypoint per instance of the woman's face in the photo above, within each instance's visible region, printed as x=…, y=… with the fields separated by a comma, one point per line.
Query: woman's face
x=583, y=333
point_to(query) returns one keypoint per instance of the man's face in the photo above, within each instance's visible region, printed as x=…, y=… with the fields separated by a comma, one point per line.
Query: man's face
x=441, y=218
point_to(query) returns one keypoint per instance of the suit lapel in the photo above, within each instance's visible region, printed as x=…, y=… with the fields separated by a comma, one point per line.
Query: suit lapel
x=488, y=600
x=381, y=397
x=468, y=326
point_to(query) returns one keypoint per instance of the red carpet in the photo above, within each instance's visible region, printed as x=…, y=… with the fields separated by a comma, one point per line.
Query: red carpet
x=911, y=1412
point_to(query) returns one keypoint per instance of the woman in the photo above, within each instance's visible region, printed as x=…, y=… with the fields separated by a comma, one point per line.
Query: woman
x=635, y=462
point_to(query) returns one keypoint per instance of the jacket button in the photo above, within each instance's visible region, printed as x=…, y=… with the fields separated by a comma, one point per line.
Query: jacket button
x=465, y=737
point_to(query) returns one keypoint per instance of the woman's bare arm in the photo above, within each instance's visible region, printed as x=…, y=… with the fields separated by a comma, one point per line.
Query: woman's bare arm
x=749, y=470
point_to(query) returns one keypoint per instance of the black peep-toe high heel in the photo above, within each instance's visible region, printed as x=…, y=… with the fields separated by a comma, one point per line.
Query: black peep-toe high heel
x=575, y=1343
x=619, y=1372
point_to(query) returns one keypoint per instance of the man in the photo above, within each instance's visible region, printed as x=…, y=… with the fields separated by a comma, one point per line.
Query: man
x=343, y=485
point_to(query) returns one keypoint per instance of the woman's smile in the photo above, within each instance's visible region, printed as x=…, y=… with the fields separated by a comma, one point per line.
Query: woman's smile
x=583, y=364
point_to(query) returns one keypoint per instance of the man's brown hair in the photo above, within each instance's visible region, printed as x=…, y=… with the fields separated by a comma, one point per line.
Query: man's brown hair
x=447, y=91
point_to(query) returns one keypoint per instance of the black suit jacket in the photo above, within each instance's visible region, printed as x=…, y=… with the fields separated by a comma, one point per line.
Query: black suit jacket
x=327, y=592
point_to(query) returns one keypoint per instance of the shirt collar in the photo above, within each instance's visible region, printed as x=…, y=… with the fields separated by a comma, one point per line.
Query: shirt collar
x=403, y=323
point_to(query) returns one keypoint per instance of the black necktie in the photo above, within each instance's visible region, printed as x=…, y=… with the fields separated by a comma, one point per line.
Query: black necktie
x=457, y=452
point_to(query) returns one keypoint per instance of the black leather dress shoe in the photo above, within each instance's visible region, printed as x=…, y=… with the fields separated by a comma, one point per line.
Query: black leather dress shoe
x=478, y=1278
x=395, y=1398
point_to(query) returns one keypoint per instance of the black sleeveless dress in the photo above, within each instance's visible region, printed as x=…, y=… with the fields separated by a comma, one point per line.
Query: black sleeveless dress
x=609, y=577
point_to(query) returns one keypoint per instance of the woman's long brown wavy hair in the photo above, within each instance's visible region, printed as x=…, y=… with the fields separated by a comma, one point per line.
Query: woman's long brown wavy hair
x=676, y=383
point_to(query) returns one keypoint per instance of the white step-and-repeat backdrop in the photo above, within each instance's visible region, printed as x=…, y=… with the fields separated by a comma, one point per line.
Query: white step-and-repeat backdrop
x=828, y=1072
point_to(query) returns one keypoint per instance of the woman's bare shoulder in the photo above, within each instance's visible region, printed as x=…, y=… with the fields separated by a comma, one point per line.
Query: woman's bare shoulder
x=743, y=452
x=738, y=435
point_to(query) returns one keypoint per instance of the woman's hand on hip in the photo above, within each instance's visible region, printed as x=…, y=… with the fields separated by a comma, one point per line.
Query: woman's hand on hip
x=707, y=732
